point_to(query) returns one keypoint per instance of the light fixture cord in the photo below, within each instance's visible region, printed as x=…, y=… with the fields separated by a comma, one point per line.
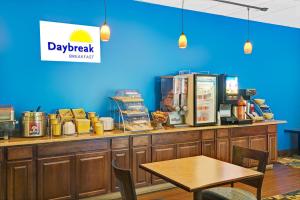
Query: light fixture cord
x=182, y=16
x=248, y=23
x=105, y=11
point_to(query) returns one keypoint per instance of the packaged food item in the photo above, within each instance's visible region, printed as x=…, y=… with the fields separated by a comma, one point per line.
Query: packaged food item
x=79, y=113
x=69, y=128
x=83, y=125
x=65, y=114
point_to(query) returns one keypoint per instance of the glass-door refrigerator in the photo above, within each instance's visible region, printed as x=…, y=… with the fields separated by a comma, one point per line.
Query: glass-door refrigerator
x=202, y=100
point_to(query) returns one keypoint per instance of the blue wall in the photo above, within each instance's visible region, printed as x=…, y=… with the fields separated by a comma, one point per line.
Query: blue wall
x=143, y=46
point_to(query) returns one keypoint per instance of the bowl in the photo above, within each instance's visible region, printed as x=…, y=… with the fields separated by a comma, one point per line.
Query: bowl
x=160, y=117
x=259, y=101
x=268, y=115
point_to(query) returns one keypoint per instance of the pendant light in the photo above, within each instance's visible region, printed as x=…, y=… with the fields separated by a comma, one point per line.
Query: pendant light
x=182, y=41
x=248, y=45
x=105, y=30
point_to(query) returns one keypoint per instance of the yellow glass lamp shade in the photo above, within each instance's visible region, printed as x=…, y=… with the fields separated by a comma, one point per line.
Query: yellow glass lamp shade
x=104, y=33
x=182, y=42
x=248, y=47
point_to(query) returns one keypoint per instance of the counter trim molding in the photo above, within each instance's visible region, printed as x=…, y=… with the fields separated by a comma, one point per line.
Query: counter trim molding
x=118, y=133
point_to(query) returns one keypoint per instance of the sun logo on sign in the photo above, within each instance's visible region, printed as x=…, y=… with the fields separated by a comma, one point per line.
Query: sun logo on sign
x=81, y=36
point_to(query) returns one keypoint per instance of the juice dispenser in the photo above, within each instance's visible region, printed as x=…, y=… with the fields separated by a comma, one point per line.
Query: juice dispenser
x=174, y=98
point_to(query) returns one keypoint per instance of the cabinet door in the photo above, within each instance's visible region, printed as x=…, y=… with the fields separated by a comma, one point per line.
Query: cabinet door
x=56, y=178
x=188, y=150
x=208, y=148
x=122, y=158
x=161, y=153
x=20, y=180
x=258, y=143
x=139, y=156
x=223, y=149
x=92, y=174
x=272, y=148
x=241, y=142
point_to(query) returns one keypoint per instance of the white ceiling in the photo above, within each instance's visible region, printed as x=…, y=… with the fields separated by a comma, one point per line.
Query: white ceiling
x=281, y=12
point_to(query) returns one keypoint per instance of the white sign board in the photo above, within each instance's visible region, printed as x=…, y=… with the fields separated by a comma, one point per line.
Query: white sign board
x=69, y=42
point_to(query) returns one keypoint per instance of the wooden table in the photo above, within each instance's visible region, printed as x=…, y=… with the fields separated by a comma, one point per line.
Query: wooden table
x=295, y=131
x=194, y=174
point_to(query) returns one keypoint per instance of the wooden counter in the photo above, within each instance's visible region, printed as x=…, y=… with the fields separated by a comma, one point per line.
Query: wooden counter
x=118, y=133
x=75, y=167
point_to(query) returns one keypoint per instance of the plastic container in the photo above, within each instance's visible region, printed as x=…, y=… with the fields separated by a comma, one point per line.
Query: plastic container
x=108, y=123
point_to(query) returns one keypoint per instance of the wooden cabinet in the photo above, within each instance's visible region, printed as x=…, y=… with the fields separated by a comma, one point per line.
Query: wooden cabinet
x=208, y=148
x=122, y=158
x=161, y=153
x=208, y=143
x=223, y=133
x=140, y=155
x=258, y=143
x=164, y=152
x=241, y=142
x=56, y=178
x=92, y=174
x=188, y=149
x=20, y=180
x=272, y=129
x=80, y=169
x=249, y=131
x=222, y=146
x=272, y=147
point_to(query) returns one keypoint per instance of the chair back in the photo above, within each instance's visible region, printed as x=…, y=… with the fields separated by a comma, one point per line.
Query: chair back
x=241, y=153
x=125, y=181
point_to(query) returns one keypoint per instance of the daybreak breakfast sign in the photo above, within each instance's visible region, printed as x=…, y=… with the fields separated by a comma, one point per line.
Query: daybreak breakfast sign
x=69, y=42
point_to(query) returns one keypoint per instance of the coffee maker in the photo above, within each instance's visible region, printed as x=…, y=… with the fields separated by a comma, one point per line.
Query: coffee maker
x=7, y=121
x=228, y=98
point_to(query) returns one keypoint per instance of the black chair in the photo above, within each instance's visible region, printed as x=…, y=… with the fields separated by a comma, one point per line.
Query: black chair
x=231, y=193
x=125, y=181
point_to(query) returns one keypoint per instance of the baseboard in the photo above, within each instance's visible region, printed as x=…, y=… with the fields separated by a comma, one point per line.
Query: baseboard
x=287, y=152
x=268, y=167
x=139, y=191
